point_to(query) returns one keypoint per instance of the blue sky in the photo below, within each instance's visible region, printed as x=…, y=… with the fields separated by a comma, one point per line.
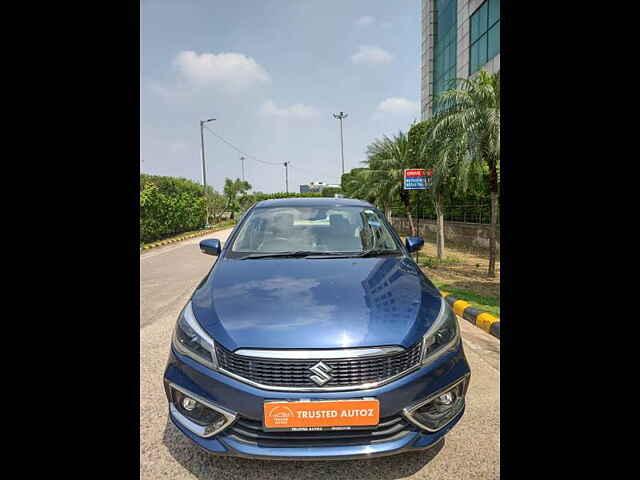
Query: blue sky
x=272, y=72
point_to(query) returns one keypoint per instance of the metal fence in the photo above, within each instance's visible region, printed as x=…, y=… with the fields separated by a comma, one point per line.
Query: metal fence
x=466, y=213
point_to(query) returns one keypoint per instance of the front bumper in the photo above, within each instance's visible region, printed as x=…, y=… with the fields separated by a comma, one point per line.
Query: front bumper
x=247, y=403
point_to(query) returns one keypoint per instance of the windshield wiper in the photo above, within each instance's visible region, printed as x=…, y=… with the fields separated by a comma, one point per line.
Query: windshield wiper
x=377, y=252
x=292, y=254
x=308, y=253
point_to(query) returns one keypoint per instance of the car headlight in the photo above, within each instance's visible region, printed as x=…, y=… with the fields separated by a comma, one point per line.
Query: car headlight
x=443, y=335
x=191, y=340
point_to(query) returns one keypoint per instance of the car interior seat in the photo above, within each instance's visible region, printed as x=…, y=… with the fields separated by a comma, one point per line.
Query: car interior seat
x=343, y=235
x=280, y=236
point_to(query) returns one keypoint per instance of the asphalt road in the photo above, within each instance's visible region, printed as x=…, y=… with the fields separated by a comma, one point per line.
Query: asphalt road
x=169, y=274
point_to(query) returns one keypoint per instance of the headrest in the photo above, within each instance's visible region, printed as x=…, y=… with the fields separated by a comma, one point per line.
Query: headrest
x=339, y=223
x=283, y=220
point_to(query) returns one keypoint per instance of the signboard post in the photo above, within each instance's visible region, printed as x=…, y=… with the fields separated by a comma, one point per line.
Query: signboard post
x=417, y=179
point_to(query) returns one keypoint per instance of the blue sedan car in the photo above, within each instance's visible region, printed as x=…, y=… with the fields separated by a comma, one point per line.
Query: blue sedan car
x=315, y=336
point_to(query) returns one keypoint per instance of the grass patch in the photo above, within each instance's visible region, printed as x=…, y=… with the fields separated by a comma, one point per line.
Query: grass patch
x=435, y=262
x=463, y=274
x=481, y=301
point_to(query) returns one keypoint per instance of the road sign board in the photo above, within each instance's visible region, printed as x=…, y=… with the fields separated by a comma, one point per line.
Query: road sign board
x=417, y=178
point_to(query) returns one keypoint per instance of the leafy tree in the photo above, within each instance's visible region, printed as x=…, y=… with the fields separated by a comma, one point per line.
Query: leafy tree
x=171, y=185
x=331, y=191
x=259, y=196
x=234, y=193
x=468, y=126
x=216, y=204
x=350, y=183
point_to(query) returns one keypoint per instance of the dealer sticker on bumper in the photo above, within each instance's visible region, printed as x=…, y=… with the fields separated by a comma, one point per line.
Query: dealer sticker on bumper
x=321, y=415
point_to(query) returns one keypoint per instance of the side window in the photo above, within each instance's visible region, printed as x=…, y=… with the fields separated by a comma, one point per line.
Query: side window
x=380, y=236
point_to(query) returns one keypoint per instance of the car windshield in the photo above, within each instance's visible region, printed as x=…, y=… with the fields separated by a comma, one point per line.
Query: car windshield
x=309, y=230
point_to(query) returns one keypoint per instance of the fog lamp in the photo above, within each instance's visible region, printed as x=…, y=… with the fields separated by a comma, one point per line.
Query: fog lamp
x=446, y=398
x=189, y=404
x=437, y=411
x=196, y=411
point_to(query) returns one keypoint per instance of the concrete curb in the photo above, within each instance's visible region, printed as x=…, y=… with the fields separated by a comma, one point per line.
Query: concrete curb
x=485, y=320
x=179, y=239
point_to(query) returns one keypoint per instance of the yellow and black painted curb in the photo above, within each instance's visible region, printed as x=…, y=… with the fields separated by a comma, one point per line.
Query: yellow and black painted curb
x=485, y=320
x=178, y=239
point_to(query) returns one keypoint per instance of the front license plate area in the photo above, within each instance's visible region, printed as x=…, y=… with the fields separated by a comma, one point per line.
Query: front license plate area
x=320, y=415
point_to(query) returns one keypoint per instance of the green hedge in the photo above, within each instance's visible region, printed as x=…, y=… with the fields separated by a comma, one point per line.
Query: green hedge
x=166, y=214
x=259, y=196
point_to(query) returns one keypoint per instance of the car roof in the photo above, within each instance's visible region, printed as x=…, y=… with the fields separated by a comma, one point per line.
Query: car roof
x=313, y=202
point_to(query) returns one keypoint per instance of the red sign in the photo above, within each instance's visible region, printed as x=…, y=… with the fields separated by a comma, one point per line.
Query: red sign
x=414, y=172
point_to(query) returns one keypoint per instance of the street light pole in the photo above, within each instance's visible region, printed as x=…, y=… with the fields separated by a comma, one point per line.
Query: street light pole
x=242, y=160
x=340, y=116
x=204, y=170
x=286, y=175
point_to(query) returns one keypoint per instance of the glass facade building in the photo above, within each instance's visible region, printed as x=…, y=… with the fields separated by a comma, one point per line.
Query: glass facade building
x=444, y=59
x=459, y=38
x=484, y=35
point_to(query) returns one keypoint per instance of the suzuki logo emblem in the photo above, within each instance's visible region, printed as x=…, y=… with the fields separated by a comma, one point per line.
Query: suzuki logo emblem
x=321, y=371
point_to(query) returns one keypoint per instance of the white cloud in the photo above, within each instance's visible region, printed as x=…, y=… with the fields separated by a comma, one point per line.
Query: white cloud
x=371, y=55
x=397, y=105
x=364, y=21
x=230, y=70
x=297, y=110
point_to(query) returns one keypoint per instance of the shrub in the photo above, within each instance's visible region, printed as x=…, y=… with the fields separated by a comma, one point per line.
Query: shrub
x=166, y=214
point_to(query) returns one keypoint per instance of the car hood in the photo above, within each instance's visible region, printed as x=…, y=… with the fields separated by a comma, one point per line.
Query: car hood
x=316, y=303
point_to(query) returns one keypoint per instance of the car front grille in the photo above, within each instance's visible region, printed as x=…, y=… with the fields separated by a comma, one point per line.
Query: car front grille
x=345, y=372
x=251, y=431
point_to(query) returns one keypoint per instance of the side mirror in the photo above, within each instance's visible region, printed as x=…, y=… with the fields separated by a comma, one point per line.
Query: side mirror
x=413, y=243
x=211, y=246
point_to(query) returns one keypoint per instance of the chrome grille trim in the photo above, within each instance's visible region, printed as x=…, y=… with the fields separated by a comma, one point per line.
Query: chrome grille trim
x=346, y=353
x=299, y=372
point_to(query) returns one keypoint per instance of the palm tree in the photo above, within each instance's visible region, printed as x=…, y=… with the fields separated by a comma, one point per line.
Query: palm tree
x=367, y=184
x=387, y=160
x=468, y=129
x=432, y=154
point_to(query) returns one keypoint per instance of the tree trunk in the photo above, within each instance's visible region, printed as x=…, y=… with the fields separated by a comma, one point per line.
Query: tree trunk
x=411, y=224
x=493, y=187
x=404, y=196
x=492, y=235
x=387, y=210
x=440, y=220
